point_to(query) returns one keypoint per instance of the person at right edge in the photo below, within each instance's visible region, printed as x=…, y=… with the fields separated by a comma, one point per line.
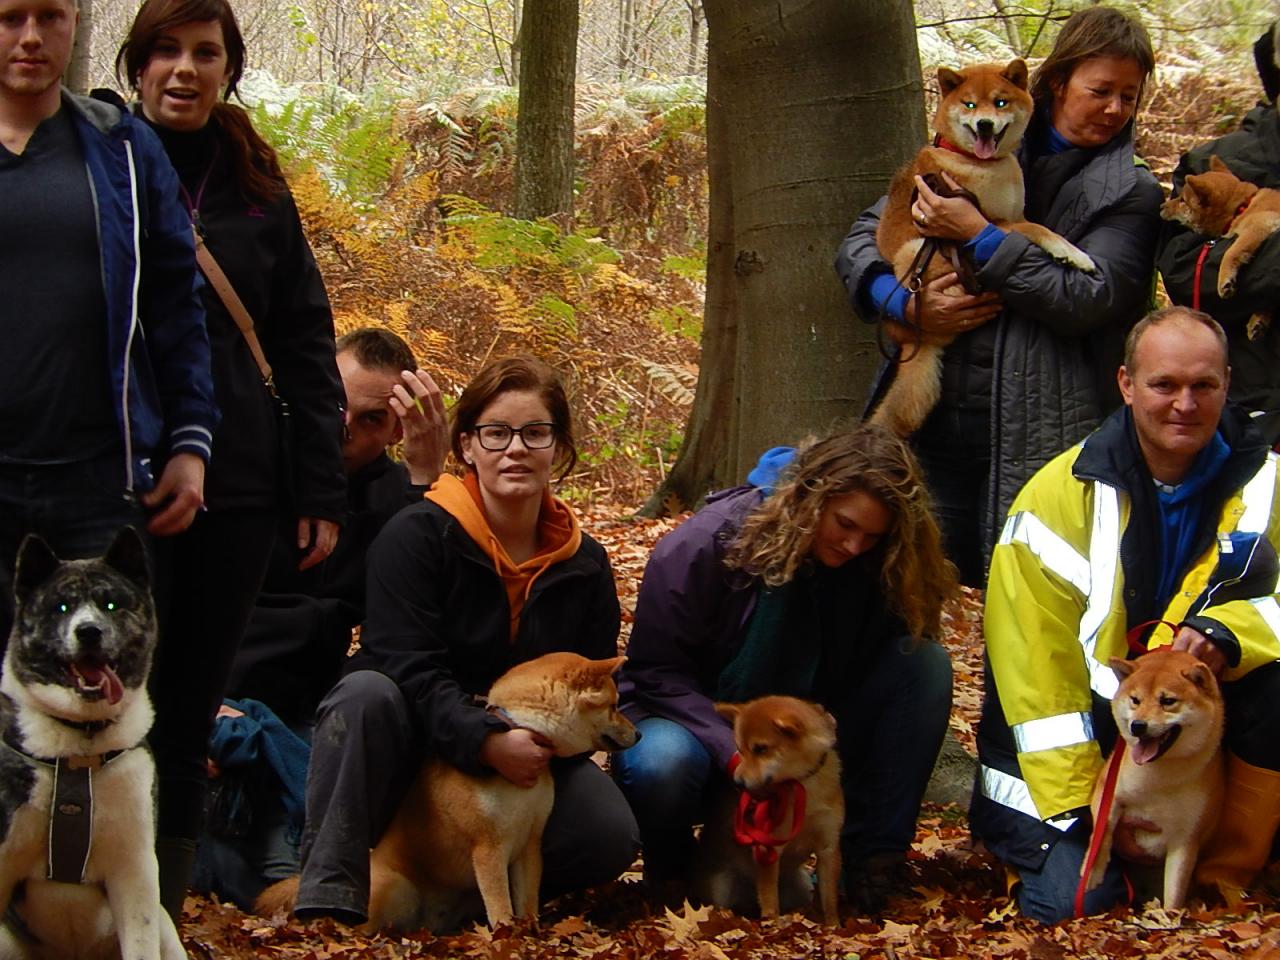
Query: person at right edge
x=1253, y=154
x=1162, y=527
x=1033, y=367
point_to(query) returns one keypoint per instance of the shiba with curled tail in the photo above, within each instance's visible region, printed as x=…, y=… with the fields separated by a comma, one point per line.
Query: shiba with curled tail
x=981, y=118
x=78, y=871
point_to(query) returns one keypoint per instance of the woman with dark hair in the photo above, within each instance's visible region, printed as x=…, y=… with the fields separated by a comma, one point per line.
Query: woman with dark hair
x=824, y=579
x=1032, y=369
x=487, y=572
x=183, y=58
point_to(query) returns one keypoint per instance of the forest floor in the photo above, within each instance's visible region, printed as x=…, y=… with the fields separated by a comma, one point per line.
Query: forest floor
x=954, y=906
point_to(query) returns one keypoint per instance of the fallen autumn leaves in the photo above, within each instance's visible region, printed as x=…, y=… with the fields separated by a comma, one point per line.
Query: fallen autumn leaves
x=956, y=905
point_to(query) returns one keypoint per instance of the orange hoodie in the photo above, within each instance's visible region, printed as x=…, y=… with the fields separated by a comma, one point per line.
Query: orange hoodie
x=558, y=536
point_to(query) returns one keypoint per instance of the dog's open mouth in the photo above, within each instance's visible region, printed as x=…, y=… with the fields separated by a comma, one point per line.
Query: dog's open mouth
x=1147, y=749
x=95, y=680
x=985, y=145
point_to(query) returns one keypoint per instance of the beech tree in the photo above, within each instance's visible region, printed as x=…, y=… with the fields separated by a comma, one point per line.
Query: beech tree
x=810, y=109
x=544, y=128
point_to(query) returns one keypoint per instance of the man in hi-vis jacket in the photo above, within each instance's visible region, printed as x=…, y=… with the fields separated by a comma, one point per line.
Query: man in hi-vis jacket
x=1167, y=512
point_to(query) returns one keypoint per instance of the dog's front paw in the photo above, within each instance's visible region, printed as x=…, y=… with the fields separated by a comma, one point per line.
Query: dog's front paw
x=1080, y=260
x=1227, y=284
x=1258, y=326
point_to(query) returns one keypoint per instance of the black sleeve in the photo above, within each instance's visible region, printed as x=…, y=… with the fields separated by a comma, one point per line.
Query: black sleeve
x=303, y=361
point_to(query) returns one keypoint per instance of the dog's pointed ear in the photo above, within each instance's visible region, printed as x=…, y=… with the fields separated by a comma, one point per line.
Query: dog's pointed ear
x=1016, y=73
x=128, y=555
x=948, y=80
x=1217, y=165
x=1200, y=674
x=607, y=668
x=36, y=563
x=1121, y=667
x=789, y=725
x=728, y=710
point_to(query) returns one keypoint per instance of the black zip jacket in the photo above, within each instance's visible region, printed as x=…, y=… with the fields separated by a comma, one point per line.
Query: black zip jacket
x=264, y=253
x=438, y=623
x=1253, y=154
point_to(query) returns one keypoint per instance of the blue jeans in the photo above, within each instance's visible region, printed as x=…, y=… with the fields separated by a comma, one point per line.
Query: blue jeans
x=890, y=722
x=665, y=778
x=1049, y=894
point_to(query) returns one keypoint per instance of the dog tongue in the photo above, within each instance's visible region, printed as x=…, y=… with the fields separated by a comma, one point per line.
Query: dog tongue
x=984, y=148
x=99, y=677
x=1145, y=750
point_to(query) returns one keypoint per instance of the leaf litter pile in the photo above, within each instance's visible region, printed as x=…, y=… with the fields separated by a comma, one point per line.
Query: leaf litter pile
x=953, y=906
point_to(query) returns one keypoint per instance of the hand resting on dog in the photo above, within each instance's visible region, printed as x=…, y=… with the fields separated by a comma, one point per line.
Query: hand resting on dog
x=519, y=755
x=947, y=218
x=937, y=309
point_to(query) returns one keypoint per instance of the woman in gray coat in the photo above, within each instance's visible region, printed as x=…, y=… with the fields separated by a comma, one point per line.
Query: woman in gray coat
x=1032, y=369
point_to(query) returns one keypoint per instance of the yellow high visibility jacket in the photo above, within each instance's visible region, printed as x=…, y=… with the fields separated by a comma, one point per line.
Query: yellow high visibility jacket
x=1074, y=570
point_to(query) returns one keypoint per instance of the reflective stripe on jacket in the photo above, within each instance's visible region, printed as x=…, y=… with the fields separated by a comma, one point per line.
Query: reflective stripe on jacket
x=1072, y=573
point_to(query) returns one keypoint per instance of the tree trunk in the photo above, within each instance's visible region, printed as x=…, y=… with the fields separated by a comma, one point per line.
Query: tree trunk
x=817, y=104
x=544, y=126
x=695, y=37
x=77, y=75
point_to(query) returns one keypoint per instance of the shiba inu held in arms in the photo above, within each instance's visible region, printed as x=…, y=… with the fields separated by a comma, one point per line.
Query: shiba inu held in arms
x=1030, y=368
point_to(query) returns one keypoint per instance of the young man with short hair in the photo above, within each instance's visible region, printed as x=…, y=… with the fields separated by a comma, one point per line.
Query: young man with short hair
x=106, y=399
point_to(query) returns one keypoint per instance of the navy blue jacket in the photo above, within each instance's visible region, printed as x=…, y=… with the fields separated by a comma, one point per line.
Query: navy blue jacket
x=157, y=346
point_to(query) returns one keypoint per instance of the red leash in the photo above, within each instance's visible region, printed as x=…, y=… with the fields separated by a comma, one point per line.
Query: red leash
x=1195, y=283
x=1104, y=812
x=755, y=821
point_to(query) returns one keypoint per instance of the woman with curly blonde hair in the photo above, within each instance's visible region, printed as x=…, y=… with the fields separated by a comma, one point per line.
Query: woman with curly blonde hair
x=823, y=578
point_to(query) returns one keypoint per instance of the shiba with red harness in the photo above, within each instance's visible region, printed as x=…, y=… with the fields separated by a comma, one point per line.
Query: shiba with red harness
x=786, y=806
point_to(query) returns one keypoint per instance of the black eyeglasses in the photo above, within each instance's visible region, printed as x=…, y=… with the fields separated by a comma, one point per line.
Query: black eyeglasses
x=497, y=436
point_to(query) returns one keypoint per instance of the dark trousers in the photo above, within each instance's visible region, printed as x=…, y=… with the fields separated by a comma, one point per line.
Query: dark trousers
x=210, y=578
x=954, y=448
x=364, y=754
x=76, y=507
x=889, y=723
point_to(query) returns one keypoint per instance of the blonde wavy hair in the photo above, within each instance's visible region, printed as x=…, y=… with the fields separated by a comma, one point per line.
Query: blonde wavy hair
x=775, y=541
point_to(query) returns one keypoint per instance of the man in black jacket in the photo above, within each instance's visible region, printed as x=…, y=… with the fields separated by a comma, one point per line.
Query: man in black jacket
x=300, y=631
x=301, y=626
x=1253, y=154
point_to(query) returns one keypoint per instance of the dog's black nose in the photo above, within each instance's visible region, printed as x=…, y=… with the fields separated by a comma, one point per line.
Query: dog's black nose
x=986, y=128
x=89, y=635
x=1138, y=728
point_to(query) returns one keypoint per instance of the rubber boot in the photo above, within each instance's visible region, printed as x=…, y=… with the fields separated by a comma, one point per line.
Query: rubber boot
x=1241, y=843
x=176, y=857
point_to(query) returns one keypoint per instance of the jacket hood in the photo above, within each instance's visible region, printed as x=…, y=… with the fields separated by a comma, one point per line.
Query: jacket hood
x=105, y=117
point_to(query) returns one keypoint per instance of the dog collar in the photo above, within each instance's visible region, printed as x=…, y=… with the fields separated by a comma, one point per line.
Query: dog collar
x=87, y=726
x=1240, y=212
x=942, y=143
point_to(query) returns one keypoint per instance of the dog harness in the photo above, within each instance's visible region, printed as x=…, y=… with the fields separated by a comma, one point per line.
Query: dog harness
x=755, y=821
x=71, y=810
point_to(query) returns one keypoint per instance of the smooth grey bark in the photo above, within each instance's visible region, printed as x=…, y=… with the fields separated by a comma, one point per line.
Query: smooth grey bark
x=544, y=130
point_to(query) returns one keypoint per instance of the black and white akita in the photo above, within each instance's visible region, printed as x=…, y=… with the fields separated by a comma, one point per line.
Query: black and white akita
x=78, y=876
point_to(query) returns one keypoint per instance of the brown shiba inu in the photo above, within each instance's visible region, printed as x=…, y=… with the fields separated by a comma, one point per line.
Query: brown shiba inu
x=454, y=833
x=788, y=752
x=980, y=120
x=1217, y=203
x=1169, y=711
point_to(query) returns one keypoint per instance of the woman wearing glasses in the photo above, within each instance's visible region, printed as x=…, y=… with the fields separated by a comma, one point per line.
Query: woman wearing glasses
x=488, y=571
